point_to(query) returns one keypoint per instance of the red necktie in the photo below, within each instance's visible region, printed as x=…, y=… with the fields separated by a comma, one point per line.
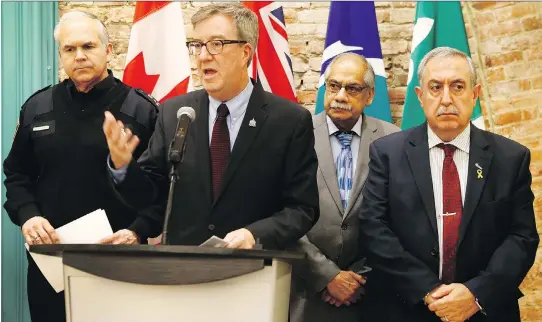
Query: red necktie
x=451, y=204
x=220, y=147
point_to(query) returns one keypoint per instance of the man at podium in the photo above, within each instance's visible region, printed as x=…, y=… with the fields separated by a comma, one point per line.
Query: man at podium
x=249, y=166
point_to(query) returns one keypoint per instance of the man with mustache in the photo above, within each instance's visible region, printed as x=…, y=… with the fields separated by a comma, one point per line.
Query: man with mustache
x=54, y=171
x=249, y=168
x=447, y=216
x=329, y=286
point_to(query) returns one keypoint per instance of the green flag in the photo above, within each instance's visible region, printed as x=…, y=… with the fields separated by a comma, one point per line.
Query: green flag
x=437, y=24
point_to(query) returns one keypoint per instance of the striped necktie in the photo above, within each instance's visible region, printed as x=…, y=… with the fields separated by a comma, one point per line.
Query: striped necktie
x=344, y=166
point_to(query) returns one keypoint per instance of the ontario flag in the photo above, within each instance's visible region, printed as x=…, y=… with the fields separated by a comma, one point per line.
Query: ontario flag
x=157, y=60
x=271, y=64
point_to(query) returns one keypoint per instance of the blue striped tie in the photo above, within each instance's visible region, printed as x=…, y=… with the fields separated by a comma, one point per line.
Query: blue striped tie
x=344, y=166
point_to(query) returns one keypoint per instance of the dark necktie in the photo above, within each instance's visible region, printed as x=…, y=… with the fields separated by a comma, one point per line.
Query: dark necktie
x=220, y=147
x=452, y=209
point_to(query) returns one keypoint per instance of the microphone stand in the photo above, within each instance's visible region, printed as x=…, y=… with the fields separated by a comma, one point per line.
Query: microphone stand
x=173, y=177
x=175, y=156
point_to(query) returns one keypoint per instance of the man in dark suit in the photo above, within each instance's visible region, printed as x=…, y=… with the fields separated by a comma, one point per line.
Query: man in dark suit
x=249, y=169
x=447, y=215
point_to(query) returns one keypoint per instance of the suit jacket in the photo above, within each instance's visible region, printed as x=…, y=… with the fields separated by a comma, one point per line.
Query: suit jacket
x=497, y=235
x=269, y=186
x=332, y=244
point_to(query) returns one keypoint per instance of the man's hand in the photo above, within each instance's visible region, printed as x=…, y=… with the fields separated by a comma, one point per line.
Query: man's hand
x=345, y=287
x=328, y=298
x=121, y=142
x=453, y=303
x=37, y=230
x=123, y=236
x=240, y=238
x=428, y=299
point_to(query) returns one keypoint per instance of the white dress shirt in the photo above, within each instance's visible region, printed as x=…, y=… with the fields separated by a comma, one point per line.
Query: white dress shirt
x=336, y=145
x=436, y=160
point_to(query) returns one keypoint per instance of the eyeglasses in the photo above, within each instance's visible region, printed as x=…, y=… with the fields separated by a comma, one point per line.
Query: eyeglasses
x=214, y=47
x=352, y=90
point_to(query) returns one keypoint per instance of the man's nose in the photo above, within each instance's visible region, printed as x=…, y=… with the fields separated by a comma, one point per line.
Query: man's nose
x=446, y=99
x=204, y=54
x=79, y=54
x=341, y=95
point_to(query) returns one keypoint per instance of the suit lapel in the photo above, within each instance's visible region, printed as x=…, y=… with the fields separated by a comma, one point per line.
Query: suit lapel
x=325, y=158
x=202, y=145
x=368, y=134
x=247, y=134
x=479, y=157
x=417, y=151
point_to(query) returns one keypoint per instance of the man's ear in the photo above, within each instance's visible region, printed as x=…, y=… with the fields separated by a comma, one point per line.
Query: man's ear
x=248, y=52
x=419, y=93
x=476, y=92
x=109, y=51
x=371, y=97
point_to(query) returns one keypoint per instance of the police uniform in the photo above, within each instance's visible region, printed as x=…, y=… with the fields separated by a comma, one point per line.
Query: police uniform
x=57, y=166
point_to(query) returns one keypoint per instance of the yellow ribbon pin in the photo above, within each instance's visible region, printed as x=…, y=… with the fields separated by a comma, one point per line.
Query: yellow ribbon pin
x=479, y=172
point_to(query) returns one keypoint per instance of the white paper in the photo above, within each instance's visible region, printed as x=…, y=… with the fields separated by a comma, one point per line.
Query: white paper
x=214, y=242
x=88, y=229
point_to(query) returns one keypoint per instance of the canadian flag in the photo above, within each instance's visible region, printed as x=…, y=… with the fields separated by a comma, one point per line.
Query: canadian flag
x=157, y=60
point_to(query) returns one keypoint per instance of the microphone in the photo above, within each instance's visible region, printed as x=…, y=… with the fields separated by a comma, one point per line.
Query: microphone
x=185, y=116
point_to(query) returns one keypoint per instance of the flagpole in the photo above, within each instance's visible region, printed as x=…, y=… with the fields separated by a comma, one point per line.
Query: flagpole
x=483, y=81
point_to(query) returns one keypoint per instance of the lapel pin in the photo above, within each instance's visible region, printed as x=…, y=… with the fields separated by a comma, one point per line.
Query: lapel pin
x=252, y=123
x=479, y=171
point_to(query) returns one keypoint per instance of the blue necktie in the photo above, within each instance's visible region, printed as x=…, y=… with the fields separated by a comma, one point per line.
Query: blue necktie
x=344, y=166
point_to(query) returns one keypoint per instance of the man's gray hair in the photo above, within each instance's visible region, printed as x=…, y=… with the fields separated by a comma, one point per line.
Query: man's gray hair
x=446, y=52
x=245, y=20
x=368, y=78
x=74, y=15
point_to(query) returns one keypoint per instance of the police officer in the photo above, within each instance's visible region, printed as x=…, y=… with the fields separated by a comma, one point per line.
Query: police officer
x=55, y=171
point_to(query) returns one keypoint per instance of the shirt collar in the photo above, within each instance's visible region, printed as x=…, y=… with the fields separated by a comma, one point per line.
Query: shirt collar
x=236, y=105
x=333, y=128
x=462, y=141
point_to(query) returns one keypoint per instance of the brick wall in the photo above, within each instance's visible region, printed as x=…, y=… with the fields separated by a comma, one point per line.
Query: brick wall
x=506, y=46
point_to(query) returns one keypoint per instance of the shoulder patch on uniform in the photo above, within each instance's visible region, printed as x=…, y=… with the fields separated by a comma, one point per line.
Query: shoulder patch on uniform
x=37, y=92
x=147, y=96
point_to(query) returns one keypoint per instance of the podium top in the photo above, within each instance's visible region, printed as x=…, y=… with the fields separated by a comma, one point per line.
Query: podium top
x=166, y=251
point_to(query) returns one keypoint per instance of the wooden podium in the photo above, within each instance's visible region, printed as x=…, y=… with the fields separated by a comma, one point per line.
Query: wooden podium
x=146, y=283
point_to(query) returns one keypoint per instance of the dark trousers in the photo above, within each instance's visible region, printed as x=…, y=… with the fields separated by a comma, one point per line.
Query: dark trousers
x=46, y=305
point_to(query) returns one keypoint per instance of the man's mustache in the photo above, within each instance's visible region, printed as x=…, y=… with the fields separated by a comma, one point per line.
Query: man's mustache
x=447, y=110
x=340, y=105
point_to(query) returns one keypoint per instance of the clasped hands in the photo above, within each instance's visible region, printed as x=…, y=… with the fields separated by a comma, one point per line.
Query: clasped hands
x=452, y=302
x=346, y=288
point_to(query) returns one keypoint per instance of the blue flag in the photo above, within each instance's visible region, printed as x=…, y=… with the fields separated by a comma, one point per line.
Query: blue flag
x=352, y=27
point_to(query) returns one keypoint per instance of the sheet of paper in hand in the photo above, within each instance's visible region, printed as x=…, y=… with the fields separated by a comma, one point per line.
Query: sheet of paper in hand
x=214, y=242
x=88, y=229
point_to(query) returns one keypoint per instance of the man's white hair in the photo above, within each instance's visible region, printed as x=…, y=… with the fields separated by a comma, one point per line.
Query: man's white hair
x=368, y=77
x=446, y=52
x=75, y=15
